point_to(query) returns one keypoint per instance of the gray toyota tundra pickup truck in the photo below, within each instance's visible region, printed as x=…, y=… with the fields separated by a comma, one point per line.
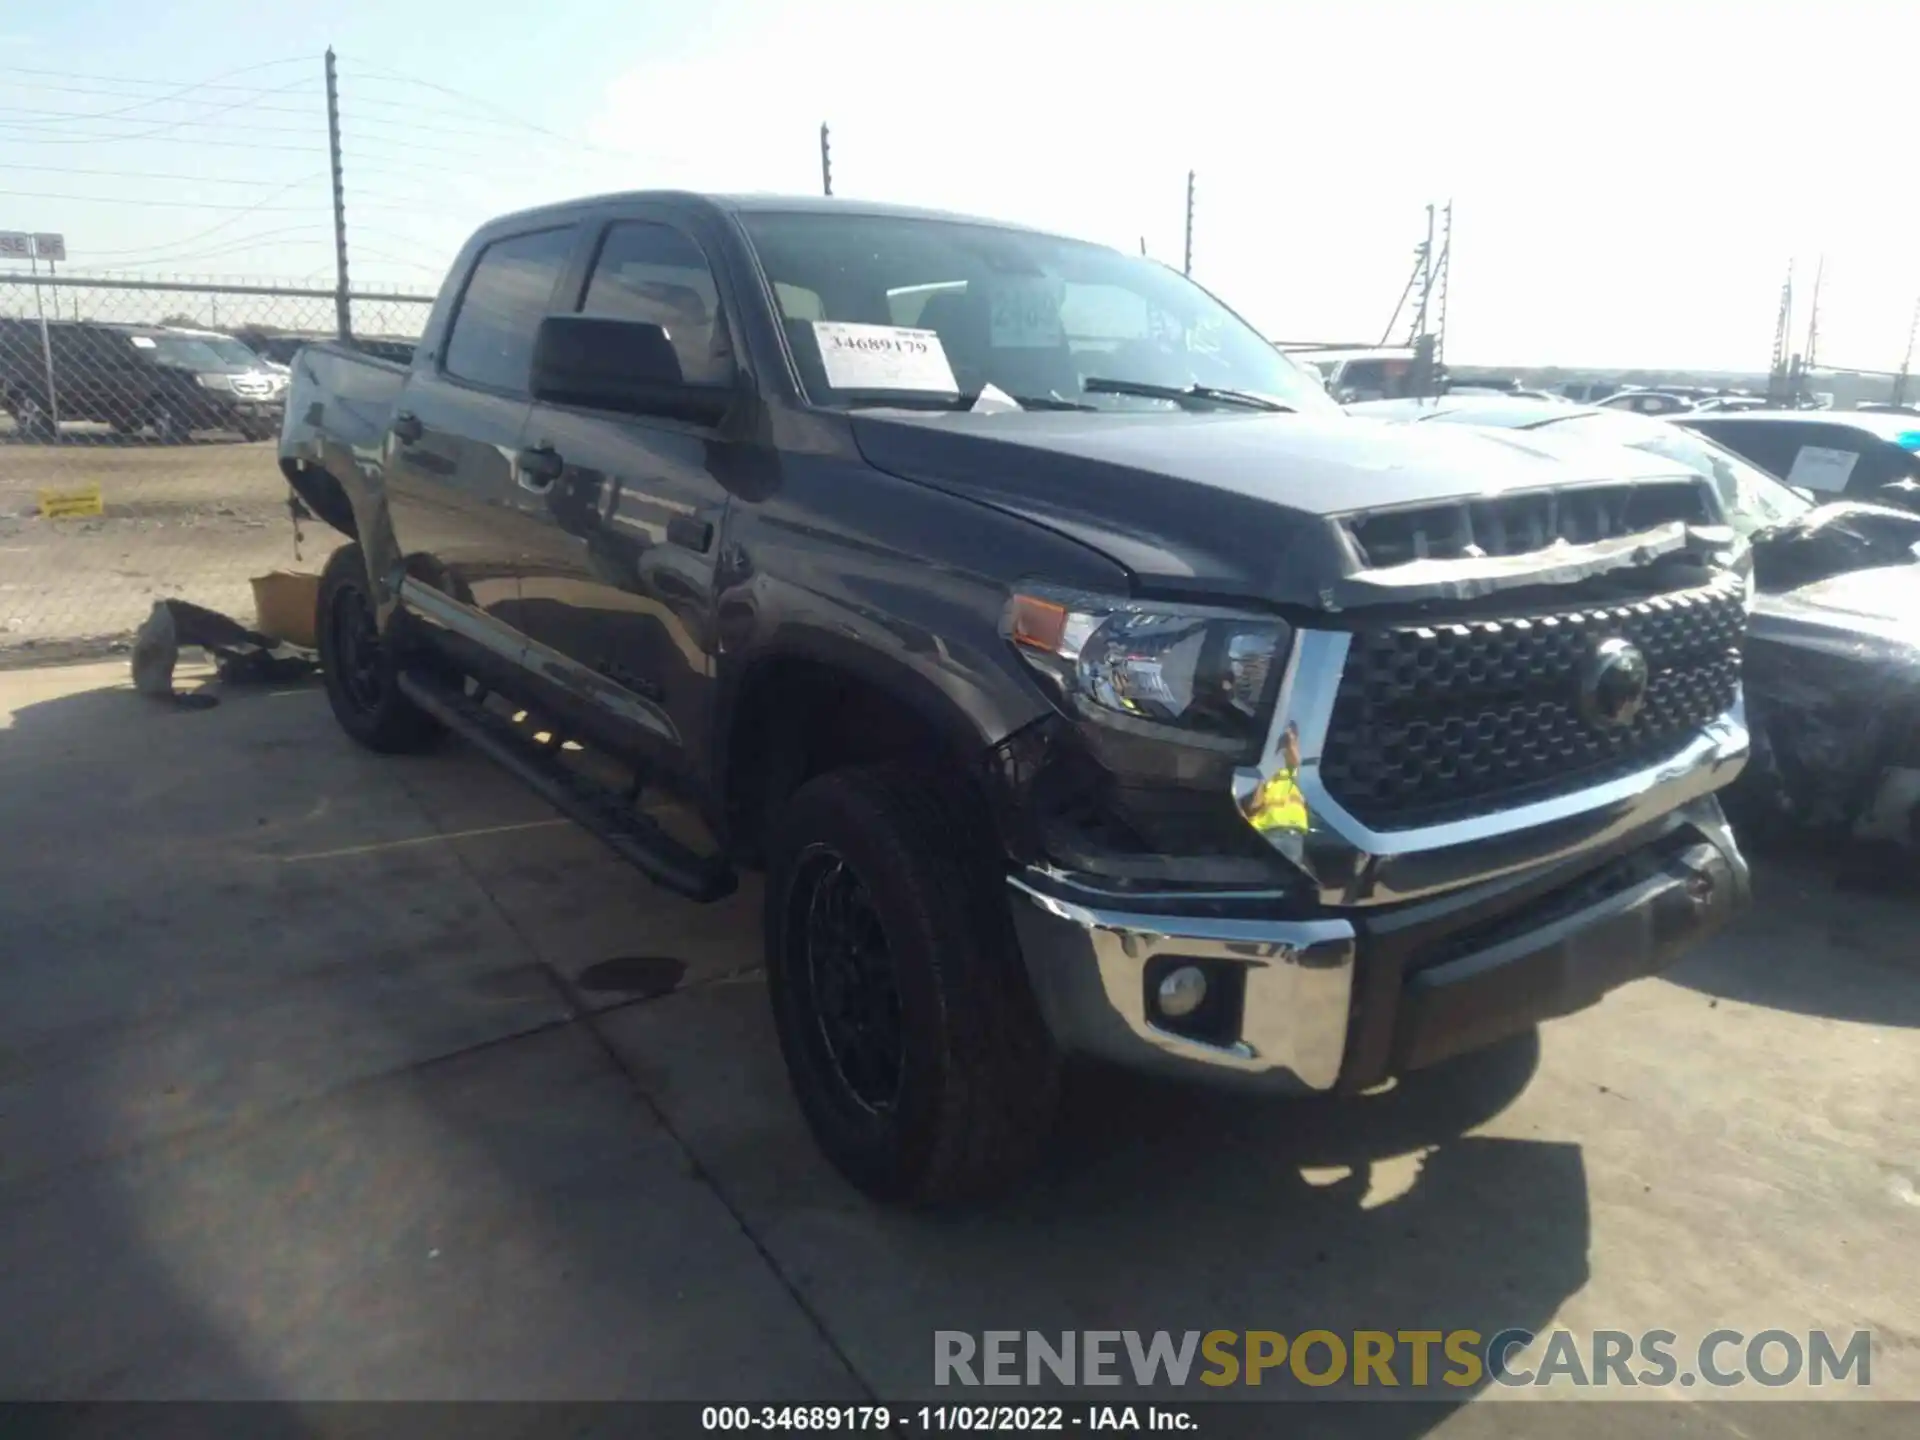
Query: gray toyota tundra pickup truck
x=1078, y=677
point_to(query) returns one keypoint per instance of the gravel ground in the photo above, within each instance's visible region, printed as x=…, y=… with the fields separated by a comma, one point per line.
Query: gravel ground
x=196, y=521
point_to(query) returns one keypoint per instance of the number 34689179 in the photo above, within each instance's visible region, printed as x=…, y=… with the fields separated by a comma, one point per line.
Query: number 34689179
x=885, y=344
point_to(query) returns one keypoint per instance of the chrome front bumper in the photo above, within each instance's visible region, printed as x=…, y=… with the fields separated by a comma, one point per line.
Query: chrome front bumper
x=1344, y=1001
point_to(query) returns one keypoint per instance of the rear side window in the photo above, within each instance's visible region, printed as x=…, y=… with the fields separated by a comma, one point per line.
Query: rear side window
x=655, y=274
x=509, y=293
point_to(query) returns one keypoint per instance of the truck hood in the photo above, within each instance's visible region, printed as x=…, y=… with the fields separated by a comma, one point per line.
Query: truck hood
x=1228, y=503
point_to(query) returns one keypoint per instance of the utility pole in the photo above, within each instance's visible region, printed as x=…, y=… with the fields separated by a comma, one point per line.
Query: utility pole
x=826, y=162
x=1186, y=266
x=1782, y=338
x=1813, y=316
x=1444, y=272
x=1906, y=363
x=343, y=310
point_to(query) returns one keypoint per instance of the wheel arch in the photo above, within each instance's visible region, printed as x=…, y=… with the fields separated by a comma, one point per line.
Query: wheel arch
x=813, y=701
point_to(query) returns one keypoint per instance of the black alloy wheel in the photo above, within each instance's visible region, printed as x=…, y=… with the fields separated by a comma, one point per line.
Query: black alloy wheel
x=846, y=979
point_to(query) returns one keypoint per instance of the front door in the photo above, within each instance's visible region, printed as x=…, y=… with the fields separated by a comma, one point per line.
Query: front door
x=452, y=471
x=617, y=602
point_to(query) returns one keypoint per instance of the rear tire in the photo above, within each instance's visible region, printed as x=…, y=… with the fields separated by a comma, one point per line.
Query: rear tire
x=167, y=426
x=361, y=673
x=909, y=1031
x=31, y=422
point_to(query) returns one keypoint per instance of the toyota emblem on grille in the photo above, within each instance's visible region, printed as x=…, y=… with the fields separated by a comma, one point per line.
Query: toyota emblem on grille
x=1613, y=683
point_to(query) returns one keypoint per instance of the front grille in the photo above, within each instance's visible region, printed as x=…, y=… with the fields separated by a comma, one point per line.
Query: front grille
x=1519, y=524
x=1437, y=722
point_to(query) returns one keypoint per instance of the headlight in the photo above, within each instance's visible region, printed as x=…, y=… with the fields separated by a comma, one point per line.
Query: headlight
x=1199, y=675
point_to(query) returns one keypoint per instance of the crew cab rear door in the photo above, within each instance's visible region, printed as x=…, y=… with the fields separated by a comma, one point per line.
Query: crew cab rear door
x=618, y=591
x=453, y=470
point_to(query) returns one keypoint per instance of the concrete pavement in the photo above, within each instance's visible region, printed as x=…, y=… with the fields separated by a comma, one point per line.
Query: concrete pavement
x=327, y=1075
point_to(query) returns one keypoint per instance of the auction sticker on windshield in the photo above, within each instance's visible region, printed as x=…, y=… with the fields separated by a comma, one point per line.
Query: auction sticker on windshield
x=883, y=357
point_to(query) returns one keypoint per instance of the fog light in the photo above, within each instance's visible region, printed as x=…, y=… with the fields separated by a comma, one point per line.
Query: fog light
x=1182, y=992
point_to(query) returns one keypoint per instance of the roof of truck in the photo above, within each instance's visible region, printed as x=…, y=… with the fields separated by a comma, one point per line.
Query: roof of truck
x=755, y=203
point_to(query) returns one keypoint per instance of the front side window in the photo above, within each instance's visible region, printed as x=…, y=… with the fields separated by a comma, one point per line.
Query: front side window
x=653, y=273
x=1038, y=317
x=507, y=296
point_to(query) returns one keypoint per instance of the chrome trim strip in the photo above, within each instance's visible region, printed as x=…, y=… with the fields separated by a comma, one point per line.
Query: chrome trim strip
x=1350, y=863
x=464, y=620
x=1087, y=965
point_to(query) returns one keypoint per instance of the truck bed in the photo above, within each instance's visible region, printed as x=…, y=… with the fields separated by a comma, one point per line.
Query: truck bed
x=339, y=405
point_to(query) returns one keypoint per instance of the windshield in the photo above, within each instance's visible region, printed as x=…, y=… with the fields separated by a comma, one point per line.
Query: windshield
x=1033, y=316
x=184, y=352
x=231, y=351
x=1753, y=499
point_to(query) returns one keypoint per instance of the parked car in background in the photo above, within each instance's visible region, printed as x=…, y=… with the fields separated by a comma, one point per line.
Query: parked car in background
x=1647, y=402
x=166, y=382
x=1833, y=644
x=1079, y=677
x=1728, y=403
x=260, y=379
x=1855, y=454
x=1361, y=374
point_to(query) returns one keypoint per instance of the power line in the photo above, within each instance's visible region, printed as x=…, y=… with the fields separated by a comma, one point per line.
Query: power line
x=216, y=144
x=154, y=99
x=179, y=87
x=490, y=109
x=158, y=252
x=164, y=128
x=176, y=204
x=131, y=174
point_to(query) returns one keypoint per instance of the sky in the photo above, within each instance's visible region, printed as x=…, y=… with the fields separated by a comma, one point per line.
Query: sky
x=1629, y=180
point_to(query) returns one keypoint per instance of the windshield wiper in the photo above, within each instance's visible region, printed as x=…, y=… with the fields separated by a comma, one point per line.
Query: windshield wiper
x=923, y=401
x=1184, y=396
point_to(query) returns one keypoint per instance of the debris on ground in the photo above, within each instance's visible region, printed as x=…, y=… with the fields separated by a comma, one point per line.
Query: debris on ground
x=240, y=655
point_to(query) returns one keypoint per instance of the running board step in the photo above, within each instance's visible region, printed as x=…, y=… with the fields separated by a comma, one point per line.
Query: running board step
x=631, y=835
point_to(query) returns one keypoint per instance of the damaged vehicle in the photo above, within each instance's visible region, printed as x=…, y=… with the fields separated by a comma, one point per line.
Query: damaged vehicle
x=1833, y=642
x=1079, y=677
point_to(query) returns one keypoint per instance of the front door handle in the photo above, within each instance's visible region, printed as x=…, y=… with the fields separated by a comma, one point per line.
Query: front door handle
x=407, y=428
x=539, y=468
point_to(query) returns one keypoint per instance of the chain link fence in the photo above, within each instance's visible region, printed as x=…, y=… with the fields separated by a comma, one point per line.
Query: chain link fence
x=139, y=422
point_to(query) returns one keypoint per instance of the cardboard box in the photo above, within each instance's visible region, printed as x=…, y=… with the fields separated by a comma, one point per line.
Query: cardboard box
x=286, y=605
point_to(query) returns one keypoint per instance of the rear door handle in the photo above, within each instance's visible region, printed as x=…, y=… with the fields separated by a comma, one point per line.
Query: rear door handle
x=539, y=468
x=407, y=428
x=695, y=535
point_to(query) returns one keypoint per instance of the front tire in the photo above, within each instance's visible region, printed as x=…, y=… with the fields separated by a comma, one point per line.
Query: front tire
x=910, y=1034
x=361, y=672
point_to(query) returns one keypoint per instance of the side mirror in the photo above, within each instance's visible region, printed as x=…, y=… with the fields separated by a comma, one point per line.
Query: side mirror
x=628, y=366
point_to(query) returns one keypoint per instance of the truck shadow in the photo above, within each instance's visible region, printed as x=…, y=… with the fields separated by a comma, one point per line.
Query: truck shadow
x=1162, y=1207
x=1814, y=946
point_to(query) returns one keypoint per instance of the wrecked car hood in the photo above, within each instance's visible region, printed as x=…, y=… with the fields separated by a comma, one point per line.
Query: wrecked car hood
x=1873, y=614
x=1229, y=502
